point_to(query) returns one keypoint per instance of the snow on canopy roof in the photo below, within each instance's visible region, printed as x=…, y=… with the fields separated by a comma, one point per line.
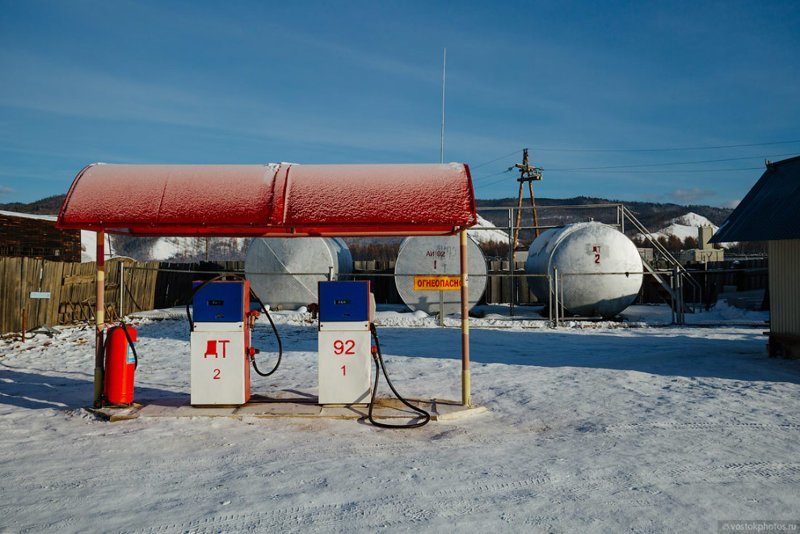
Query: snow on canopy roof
x=769, y=210
x=285, y=199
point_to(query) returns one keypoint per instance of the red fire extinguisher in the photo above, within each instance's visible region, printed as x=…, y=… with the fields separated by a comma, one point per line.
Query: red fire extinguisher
x=121, y=362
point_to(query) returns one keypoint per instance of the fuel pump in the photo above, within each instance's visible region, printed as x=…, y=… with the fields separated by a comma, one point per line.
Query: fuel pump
x=346, y=311
x=221, y=348
x=221, y=345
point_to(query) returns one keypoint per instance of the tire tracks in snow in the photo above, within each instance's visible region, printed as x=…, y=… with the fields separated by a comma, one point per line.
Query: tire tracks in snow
x=465, y=497
x=774, y=471
x=388, y=511
x=623, y=428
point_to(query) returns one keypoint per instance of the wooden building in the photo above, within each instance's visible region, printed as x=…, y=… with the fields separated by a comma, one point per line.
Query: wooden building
x=770, y=213
x=36, y=236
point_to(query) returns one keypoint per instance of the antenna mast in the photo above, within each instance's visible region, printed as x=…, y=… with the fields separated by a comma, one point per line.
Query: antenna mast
x=444, y=79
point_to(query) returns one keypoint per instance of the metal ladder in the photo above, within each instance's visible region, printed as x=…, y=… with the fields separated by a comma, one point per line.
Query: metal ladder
x=679, y=277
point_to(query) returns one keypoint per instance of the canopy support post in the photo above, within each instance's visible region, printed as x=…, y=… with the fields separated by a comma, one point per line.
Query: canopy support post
x=99, y=314
x=465, y=375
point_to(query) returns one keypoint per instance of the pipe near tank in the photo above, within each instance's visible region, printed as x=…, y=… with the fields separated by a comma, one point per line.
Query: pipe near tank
x=464, y=268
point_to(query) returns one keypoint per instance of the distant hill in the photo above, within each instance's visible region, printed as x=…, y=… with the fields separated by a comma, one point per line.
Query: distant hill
x=652, y=215
x=45, y=206
x=556, y=212
x=551, y=212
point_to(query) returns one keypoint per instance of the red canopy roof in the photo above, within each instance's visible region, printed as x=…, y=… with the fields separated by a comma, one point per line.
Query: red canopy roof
x=255, y=200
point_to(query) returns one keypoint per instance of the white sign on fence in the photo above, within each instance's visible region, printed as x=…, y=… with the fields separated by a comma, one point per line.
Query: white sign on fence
x=40, y=294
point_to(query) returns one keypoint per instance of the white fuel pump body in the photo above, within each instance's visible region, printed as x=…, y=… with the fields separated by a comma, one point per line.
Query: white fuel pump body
x=220, y=342
x=344, y=344
x=220, y=370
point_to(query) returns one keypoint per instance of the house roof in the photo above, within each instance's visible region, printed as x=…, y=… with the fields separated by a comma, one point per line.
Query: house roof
x=770, y=211
x=276, y=199
x=21, y=215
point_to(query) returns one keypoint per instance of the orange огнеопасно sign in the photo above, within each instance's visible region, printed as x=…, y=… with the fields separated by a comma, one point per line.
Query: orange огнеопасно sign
x=437, y=283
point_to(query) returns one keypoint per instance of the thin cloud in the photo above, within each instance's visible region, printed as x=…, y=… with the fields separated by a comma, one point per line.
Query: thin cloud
x=5, y=190
x=692, y=194
x=90, y=94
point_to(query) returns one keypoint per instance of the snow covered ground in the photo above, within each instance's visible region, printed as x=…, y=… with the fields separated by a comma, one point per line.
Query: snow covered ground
x=600, y=428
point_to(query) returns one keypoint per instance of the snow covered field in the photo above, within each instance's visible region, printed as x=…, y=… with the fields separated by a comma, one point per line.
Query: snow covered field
x=598, y=429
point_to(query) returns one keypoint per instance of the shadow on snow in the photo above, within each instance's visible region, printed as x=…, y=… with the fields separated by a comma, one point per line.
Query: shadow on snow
x=669, y=352
x=38, y=391
x=665, y=352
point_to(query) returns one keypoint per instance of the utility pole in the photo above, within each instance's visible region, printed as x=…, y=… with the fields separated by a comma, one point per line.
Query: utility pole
x=527, y=174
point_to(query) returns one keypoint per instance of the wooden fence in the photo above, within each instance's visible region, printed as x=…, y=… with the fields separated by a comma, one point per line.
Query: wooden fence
x=68, y=290
x=500, y=287
x=71, y=295
x=70, y=287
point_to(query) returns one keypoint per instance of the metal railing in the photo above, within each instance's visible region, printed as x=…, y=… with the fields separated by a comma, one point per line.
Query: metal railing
x=673, y=280
x=554, y=310
x=681, y=275
x=512, y=227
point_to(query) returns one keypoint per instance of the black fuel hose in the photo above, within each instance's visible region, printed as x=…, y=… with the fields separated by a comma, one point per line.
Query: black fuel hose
x=277, y=336
x=263, y=309
x=380, y=366
x=131, y=344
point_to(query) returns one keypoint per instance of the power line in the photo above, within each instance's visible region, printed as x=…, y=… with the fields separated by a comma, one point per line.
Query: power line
x=646, y=171
x=496, y=159
x=638, y=165
x=673, y=163
x=670, y=149
x=492, y=175
x=620, y=168
x=654, y=171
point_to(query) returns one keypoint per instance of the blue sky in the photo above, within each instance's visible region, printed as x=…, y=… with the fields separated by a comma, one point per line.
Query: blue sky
x=584, y=85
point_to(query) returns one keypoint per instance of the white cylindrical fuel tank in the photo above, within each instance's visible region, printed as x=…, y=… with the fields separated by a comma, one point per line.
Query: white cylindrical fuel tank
x=429, y=262
x=582, y=253
x=280, y=269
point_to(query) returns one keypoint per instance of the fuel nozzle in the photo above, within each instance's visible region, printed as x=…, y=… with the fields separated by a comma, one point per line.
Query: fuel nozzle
x=374, y=345
x=252, y=316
